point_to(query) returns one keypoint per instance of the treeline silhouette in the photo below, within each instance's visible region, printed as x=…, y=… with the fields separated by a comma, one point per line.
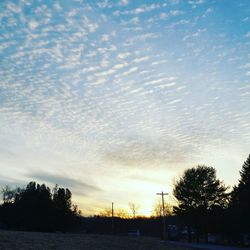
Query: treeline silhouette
x=147, y=226
x=36, y=208
x=206, y=211
x=205, y=207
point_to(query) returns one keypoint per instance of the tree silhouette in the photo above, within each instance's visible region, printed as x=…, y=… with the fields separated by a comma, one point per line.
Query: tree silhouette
x=198, y=193
x=241, y=198
x=62, y=199
x=35, y=208
x=8, y=194
x=134, y=208
x=65, y=212
x=245, y=174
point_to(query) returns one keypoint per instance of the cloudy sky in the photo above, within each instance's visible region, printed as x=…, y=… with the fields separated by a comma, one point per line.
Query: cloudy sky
x=114, y=99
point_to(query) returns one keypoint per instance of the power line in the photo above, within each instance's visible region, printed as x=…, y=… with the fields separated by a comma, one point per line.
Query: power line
x=112, y=218
x=163, y=214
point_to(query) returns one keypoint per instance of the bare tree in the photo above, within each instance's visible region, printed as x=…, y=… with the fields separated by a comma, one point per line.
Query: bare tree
x=157, y=209
x=134, y=208
x=8, y=194
x=122, y=213
x=107, y=212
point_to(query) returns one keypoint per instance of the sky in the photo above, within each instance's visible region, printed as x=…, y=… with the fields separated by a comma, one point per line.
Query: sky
x=115, y=99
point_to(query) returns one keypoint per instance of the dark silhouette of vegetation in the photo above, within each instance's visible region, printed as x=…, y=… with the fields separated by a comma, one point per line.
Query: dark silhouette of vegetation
x=35, y=208
x=200, y=194
x=240, y=203
x=148, y=226
x=204, y=208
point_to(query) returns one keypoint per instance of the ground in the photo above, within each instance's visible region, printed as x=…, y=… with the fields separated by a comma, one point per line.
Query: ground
x=12, y=240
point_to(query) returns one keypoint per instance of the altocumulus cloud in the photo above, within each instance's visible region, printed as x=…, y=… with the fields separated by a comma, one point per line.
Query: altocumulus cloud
x=106, y=85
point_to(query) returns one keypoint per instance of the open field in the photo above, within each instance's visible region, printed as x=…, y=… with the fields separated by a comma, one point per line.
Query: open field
x=12, y=240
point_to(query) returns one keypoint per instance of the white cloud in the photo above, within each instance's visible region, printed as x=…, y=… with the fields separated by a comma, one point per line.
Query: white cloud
x=57, y=6
x=91, y=26
x=14, y=8
x=246, y=66
x=159, y=62
x=245, y=93
x=161, y=80
x=123, y=55
x=104, y=63
x=139, y=10
x=119, y=66
x=105, y=73
x=174, y=101
x=247, y=34
x=105, y=37
x=163, y=16
x=104, y=4
x=124, y=2
x=33, y=24
x=72, y=13
x=176, y=12
x=128, y=72
x=141, y=59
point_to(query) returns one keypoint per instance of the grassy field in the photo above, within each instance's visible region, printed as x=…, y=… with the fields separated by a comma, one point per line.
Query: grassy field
x=11, y=240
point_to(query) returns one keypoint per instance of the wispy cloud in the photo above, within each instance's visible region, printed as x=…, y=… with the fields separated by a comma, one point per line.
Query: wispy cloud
x=79, y=187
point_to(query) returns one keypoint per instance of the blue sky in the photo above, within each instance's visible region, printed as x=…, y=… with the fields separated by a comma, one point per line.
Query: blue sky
x=114, y=99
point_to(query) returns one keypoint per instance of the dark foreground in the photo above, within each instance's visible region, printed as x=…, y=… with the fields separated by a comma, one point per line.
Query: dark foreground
x=12, y=240
x=201, y=246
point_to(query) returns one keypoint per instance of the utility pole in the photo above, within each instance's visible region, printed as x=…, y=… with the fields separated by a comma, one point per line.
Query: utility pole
x=112, y=218
x=163, y=215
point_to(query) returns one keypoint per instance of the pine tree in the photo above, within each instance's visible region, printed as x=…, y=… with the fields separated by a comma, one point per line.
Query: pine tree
x=245, y=173
x=241, y=193
x=241, y=198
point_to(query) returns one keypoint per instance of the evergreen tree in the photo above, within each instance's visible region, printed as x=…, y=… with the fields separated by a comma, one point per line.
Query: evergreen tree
x=241, y=199
x=245, y=173
x=35, y=208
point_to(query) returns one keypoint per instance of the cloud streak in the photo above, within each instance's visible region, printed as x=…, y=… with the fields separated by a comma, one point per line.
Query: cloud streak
x=79, y=187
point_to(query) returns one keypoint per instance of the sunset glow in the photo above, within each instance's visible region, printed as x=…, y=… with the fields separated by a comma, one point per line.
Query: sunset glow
x=114, y=99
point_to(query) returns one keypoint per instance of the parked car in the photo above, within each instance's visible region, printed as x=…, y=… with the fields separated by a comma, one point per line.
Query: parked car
x=134, y=232
x=211, y=238
x=246, y=239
